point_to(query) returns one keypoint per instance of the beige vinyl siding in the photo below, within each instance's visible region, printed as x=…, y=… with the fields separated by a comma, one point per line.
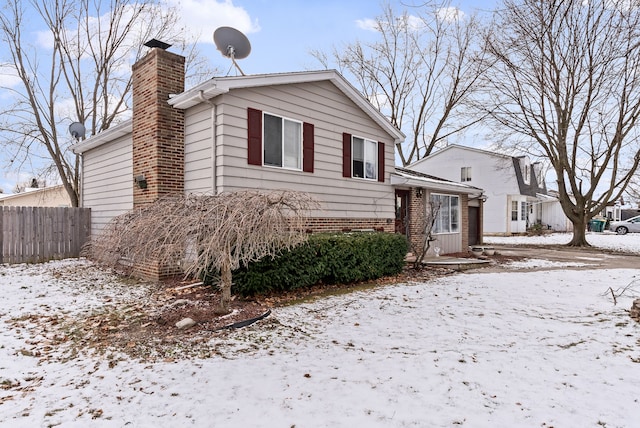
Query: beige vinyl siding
x=198, y=150
x=331, y=113
x=55, y=196
x=448, y=243
x=107, y=186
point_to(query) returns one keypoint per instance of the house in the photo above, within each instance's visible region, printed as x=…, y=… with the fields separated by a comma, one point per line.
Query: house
x=53, y=196
x=458, y=209
x=516, y=194
x=305, y=131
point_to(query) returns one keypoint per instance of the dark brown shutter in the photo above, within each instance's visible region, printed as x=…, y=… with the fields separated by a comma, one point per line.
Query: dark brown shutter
x=254, y=140
x=346, y=155
x=307, y=147
x=380, y=162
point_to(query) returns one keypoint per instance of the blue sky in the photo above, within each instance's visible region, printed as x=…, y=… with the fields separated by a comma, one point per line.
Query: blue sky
x=281, y=32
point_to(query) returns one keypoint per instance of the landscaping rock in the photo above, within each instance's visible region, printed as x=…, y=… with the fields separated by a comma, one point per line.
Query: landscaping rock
x=185, y=323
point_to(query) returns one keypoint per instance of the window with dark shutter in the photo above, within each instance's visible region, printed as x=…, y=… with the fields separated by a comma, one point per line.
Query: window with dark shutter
x=380, y=162
x=362, y=158
x=254, y=140
x=279, y=142
x=307, y=147
x=346, y=155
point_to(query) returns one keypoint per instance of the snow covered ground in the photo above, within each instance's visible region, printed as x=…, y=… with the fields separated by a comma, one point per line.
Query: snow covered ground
x=479, y=349
x=629, y=243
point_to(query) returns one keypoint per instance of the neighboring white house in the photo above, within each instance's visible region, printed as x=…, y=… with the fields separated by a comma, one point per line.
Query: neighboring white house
x=514, y=187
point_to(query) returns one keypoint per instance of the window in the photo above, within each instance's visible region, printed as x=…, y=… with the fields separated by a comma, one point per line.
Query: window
x=282, y=142
x=465, y=173
x=279, y=142
x=364, y=156
x=514, y=210
x=447, y=208
x=523, y=211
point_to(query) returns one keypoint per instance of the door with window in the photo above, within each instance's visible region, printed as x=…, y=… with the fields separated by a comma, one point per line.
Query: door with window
x=518, y=216
x=402, y=212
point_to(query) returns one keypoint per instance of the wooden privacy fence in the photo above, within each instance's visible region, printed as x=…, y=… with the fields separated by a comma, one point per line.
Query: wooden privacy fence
x=39, y=234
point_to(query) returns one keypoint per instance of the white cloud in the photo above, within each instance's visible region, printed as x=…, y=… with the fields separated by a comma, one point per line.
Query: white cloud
x=367, y=24
x=411, y=21
x=202, y=17
x=8, y=76
x=450, y=14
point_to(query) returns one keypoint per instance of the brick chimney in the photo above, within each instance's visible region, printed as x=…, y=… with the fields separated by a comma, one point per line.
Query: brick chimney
x=158, y=128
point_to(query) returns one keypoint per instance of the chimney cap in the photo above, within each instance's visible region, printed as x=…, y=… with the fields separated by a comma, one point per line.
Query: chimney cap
x=155, y=43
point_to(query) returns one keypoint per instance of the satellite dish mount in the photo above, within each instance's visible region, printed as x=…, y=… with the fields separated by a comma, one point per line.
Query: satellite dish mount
x=233, y=44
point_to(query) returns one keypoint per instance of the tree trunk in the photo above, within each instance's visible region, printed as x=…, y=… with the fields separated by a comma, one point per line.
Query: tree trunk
x=225, y=288
x=579, y=233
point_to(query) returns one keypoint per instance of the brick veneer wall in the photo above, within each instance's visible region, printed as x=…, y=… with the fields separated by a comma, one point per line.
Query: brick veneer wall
x=417, y=214
x=158, y=128
x=158, y=137
x=316, y=225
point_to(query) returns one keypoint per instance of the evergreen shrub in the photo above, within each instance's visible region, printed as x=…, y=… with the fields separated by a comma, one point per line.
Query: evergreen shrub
x=327, y=258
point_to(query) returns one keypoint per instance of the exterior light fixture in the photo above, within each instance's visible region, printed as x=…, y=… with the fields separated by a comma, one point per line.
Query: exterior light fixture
x=140, y=181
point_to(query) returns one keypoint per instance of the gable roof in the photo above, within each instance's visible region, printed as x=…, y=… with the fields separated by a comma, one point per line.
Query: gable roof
x=221, y=85
x=404, y=176
x=103, y=137
x=514, y=161
x=461, y=147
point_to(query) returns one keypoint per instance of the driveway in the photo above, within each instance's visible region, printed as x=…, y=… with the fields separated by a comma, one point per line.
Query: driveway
x=563, y=257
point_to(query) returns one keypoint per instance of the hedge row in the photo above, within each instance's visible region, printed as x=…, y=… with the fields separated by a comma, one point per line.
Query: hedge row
x=325, y=258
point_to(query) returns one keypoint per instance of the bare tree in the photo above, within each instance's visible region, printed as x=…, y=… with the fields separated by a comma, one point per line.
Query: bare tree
x=565, y=85
x=420, y=73
x=84, y=76
x=221, y=232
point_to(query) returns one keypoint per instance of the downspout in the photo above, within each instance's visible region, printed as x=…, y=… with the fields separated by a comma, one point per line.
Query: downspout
x=214, y=181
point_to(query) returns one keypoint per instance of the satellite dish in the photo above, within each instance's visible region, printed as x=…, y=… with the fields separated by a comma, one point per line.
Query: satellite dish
x=233, y=44
x=77, y=130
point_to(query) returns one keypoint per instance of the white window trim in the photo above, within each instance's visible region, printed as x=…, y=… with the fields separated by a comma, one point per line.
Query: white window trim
x=449, y=231
x=301, y=148
x=364, y=167
x=465, y=173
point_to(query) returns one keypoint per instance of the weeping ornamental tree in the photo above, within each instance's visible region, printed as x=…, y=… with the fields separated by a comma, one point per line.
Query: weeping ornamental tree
x=76, y=68
x=205, y=233
x=565, y=81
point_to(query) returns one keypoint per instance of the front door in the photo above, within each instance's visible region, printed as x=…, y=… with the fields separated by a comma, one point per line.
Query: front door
x=402, y=212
